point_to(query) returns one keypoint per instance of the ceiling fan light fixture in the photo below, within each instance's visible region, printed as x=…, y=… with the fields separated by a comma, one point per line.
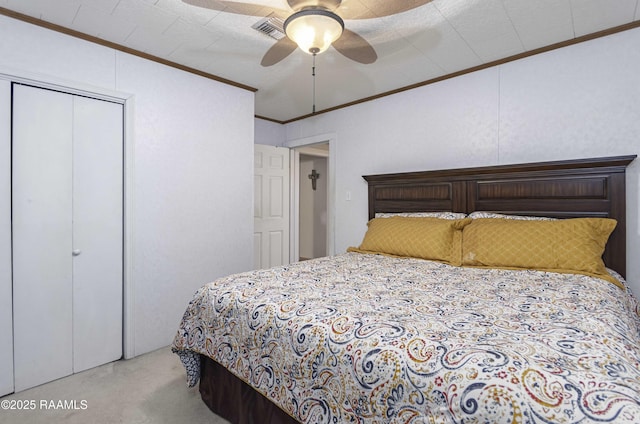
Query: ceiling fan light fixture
x=313, y=29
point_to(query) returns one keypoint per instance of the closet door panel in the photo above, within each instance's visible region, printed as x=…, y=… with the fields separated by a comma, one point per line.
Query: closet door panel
x=97, y=232
x=6, y=304
x=42, y=206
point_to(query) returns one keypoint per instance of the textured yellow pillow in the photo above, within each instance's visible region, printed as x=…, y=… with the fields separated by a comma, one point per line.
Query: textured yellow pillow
x=565, y=245
x=425, y=238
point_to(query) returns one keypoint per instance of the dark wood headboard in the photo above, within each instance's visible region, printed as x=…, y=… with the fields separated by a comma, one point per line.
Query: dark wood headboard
x=562, y=189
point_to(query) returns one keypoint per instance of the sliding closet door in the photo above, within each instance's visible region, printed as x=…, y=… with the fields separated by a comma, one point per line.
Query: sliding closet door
x=42, y=225
x=97, y=232
x=6, y=309
x=67, y=234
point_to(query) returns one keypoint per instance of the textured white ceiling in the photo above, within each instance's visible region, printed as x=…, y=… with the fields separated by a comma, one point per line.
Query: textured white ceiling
x=439, y=38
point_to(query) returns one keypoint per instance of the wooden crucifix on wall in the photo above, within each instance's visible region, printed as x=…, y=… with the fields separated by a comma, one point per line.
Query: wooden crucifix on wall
x=313, y=177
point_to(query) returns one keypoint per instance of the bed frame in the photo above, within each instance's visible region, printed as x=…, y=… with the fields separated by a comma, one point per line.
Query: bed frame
x=564, y=189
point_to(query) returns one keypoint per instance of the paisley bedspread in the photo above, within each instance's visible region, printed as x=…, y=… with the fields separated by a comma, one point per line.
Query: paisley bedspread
x=374, y=339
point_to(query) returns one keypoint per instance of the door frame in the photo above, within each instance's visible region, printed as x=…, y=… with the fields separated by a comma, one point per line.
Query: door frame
x=310, y=152
x=331, y=139
x=6, y=251
x=128, y=102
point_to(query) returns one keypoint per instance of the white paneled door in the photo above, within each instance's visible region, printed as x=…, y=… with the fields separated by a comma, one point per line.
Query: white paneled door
x=67, y=233
x=271, y=206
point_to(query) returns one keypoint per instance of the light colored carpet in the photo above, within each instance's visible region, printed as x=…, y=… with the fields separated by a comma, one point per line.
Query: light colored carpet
x=148, y=389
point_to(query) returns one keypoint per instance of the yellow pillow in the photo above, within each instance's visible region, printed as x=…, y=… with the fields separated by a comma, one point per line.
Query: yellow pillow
x=562, y=245
x=425, y=238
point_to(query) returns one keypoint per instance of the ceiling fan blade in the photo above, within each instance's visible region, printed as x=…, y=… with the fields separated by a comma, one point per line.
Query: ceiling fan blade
x=283, y=48
x=239, y=8
x=369, y=9
x=355, y=47
x=327, y=4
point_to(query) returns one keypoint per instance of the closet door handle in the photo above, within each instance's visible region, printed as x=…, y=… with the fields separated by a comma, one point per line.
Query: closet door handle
x=76, y=252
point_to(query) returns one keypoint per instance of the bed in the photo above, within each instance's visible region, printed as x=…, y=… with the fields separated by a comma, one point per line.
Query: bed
x=443, y=335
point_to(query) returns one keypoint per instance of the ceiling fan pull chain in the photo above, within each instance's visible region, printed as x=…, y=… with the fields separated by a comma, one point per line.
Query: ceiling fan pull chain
x=313, y=75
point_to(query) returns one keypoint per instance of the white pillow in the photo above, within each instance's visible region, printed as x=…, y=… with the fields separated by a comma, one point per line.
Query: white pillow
x=441, y=215
x=483, y=214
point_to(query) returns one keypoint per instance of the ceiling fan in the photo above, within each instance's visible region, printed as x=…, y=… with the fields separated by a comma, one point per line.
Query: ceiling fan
x=314, y=25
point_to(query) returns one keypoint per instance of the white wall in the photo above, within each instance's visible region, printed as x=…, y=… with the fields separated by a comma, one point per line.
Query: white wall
x=190, y=177
x=576, y=102
x=269, y=133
